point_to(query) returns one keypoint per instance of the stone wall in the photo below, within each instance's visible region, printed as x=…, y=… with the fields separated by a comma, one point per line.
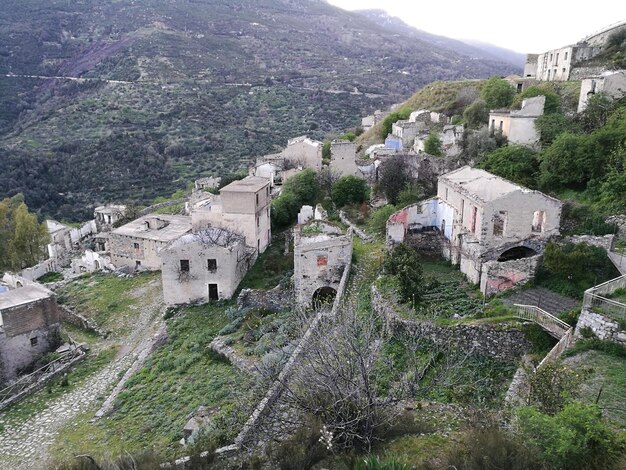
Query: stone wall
x=606, y=241
x=498, y=276
x=429, y=242
x=487, y=340
x=68, y=316
x=275, y=300
x=620, y=221
x=359, y=233
x=604, y=328
x=580, y=73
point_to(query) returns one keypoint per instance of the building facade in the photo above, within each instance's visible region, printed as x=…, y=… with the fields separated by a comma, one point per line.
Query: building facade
x=136, y=245
x=204, y=266
x=518, y=126
x=29, y=328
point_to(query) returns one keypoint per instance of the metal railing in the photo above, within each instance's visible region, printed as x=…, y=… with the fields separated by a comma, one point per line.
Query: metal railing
x=553, y=325
x=596, y=299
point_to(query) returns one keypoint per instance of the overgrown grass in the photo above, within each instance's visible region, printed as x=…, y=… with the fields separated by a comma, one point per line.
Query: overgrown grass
x=52, y=276
x=179, y=377
x=271, y=268
x=105, y=298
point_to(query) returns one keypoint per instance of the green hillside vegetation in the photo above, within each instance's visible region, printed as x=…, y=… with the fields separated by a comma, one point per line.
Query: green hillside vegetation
x=202, y=88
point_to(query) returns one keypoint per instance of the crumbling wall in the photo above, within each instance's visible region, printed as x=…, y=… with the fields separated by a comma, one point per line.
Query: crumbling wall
x=606, y=242
x=502, y=344
x=498, y=276
x=603, y=327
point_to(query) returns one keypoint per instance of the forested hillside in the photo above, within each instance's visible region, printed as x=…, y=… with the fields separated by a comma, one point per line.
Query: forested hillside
x=172, y=90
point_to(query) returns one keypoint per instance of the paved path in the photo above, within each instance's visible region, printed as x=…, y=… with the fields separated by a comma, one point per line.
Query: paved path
x=24, y=442
x=547, y=300
x=619, y=260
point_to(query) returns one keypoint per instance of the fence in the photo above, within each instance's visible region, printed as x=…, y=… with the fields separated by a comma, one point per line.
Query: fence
x=595, y=299
x=547, y=321
x=34, y=381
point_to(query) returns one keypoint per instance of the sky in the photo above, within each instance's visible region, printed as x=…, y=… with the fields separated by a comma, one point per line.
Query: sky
x=532, y=26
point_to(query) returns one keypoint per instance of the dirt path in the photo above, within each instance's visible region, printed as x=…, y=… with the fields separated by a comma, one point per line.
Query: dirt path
x=24, y=441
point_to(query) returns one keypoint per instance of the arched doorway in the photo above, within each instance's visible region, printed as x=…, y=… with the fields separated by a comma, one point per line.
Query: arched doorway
x=517, y=252
x=322, y=297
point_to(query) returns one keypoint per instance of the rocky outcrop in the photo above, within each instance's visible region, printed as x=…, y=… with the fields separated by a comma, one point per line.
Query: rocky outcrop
x=275, y=300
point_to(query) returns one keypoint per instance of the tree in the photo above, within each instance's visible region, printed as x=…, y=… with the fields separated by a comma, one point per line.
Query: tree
x=497, y=93
x=28, y=244
x=388, y=122
x=285, y=209
x=599, y=107
x=404, y=263
x=569, y=161
x=304, y=186
x=476, y=114
x=613, y=188
x=350, y=190
x=394, y=176
x=550, y=126
x=552, y=104
x=326, y=150
x=432, y=145
x=514, y=162
x=478, y=143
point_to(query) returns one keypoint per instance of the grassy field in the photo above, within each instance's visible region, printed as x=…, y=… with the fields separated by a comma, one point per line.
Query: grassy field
x=179, y=377
x=106, y=299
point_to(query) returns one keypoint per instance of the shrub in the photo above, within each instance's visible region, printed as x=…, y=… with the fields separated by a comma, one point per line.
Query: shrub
x=404, y=263
x=497, y=93
x=514, y=162
x=476, y=114
x=432, y=145
x=303, y=449
x=378, y=220
x=350, y=190
x=376, y=463
x=388, y=122
x=491, y=448
x=575, y=438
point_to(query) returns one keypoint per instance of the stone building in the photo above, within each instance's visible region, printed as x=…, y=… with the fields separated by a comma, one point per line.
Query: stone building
x=207, y=184
x=204, y=266
x=136, y=245
x=65, y=239
x=613, y=84
x=243, y=207
x=343, y=158
x=519, y=125
x=300, y=152
x=29, y=328
x=492, y=228
x=321, y=252
x=106, y=216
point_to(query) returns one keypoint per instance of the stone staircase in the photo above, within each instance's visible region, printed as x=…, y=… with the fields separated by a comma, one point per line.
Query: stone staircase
x=549, y=301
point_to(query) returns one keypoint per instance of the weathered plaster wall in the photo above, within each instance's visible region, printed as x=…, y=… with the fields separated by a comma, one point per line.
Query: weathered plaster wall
x=343, y=158
x=498, y=276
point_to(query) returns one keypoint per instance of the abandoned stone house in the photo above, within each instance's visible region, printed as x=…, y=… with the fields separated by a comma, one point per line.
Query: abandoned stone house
x=561, y=64
x=91, y=261
x=300, y=152
x=207, y=184
x=29, y=328
x=243, y=207
x=65, y=239
x=136, y=245
x=343, y=158
x=204, y=266
x=321, y=252
x=493, y=229
x=519, y=125
x=451, y=138
x=612, y=83
x=106, y=216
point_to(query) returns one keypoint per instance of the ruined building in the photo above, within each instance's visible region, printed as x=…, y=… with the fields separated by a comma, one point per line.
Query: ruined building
x=613, y=84
x=300, y=152
x=204, y=266
x=106, y=216
x=321, y=252
x=29, y=328
x=519, y=125
x=136, y=245
x=492, y=228
x=343, y=158
x=242, y=207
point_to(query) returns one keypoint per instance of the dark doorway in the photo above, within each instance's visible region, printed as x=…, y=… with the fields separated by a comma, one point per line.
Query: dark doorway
x=323, y=297
x=213, y=295
x=517, y=252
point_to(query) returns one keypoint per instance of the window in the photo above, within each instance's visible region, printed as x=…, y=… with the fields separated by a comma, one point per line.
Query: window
x=550, y=57
x=501, y=125
x=446, y=194
x=548, y=75
x=473, y=219
x=213, y=293
x=565, y=56
x=258, y=223
x=499, y=220
x=136, y=246
x=563, y=70
x=184, y=265
x=539, y=220
x=211, y=265
x=257, y=199
x=34, y=340
x=556, y=62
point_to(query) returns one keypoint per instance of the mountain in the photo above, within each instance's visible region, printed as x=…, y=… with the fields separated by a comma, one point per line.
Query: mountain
x=469, y=48
x=112, y=100
x=499, y=53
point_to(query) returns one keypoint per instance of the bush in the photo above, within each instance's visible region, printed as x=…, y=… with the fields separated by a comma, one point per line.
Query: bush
x=514, y=162
x=432, y=145
x=404, y=263
x=378, y=220
x=491, y=448
x=350, y=190
x=303, y=449
x=388, y=122
x=476, y=114
x=553, y=101
x=575, y=438
x=497, y=93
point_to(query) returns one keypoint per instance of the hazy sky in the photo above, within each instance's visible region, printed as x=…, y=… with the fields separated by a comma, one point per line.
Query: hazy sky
x=528, y=26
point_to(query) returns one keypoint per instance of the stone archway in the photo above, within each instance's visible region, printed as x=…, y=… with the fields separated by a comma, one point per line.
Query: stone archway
x=516, y=252
x=322, y=297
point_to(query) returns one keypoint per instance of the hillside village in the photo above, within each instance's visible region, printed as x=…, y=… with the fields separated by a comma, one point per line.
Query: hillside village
x=392, y=294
